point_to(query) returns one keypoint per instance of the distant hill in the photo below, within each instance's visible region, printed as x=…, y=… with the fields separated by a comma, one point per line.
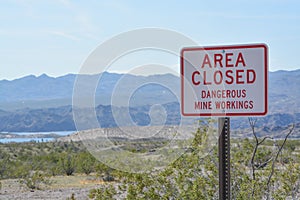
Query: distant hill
x=45, y=92
x=61, y=119
x=284, y=91
x=43, y=103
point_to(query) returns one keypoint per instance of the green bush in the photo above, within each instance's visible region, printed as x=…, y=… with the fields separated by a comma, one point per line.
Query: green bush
x=103, y=193
x=67, y=163
x=34, y=180
x=85, y=162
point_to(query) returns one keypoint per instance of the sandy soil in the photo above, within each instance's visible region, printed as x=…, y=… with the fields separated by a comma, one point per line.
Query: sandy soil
x=61, y=189
x=57, y=194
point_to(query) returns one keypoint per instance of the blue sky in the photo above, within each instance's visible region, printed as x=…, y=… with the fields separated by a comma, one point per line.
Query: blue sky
x=56, y=36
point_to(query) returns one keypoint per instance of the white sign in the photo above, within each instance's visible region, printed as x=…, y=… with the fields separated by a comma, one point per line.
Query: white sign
x=224, y=80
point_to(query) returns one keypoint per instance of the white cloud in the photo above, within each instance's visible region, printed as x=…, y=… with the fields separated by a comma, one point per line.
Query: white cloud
x=65, y=35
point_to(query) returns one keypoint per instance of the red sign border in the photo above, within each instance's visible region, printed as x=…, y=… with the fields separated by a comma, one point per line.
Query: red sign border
x=244, y=46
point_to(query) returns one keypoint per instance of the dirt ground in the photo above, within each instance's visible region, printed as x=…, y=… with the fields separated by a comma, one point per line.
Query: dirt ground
x=61, y=188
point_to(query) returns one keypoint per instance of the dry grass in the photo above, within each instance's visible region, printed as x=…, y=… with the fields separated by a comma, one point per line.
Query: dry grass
x=61, y=187
x=57, y=182
x=78, y=180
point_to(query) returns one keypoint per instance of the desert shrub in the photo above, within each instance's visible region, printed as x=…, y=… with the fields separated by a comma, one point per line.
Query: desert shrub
x=34, y=180
x=4, y=166
x=103, y=193
x=193, y=176
x=72, y=197
x=85, y=162
x=67, y=163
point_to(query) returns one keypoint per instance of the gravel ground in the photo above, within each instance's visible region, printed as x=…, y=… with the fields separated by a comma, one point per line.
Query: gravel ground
x=57, y=194
x=12, y=190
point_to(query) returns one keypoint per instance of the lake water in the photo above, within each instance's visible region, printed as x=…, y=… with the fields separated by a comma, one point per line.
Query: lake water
x=40, y=139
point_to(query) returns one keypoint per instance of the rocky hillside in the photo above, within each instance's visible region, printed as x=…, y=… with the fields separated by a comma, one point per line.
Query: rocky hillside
x=42, y=96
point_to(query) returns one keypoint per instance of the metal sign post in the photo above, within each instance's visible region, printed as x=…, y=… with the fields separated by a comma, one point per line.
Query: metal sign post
x=224, y=158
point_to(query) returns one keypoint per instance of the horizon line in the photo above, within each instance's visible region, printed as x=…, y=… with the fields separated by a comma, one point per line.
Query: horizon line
x=119, y=73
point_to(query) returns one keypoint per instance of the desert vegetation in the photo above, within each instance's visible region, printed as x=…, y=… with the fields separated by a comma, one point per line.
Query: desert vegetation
x=261, y=168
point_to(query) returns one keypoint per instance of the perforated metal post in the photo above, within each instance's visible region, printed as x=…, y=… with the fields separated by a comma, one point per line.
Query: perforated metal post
x=224, y=158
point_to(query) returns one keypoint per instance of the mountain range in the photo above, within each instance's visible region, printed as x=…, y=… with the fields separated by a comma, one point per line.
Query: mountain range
x=43, y=103
x=45, y=92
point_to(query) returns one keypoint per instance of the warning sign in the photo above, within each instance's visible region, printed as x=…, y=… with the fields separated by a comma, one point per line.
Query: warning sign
x=224, y=80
